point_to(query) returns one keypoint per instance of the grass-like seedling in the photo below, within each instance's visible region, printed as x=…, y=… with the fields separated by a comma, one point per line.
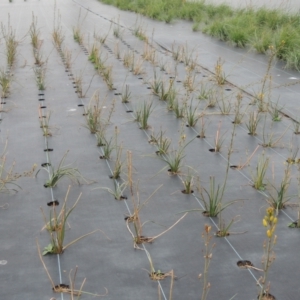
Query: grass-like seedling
x=190, y=81
x=162, y=143
x=11, y=44
x=62, y=171
x=40, y=76
x=117, y=32
x=269, y=222
x=34, y=33
x=94, y=53
x=219, y=139
x=57, y=33
x=117, y=50
x=67, y=54
x=253, y=122
x=142, y=114
x=140, y=33
x=224, y=105
x=259, y=175
x=178, y=53
x=174, y=159
x=219, y=76
x=118, y=191
x=44, y=122
x=126, y=94
x=179, y=109
x=149, y=54
x=93, y=114
x=137, y=66
x=188, y=182
x=116, y=173
x=204, y=92
x=268, y=138
x=107, y=148
x=212, y=199
x=238, y=116
x=5, y=81
x=56, y=227
x=78, y=35
x=278, y=195
x=107, y=77
x=203, y=127
x=191, y=115
x=128, y=59
x=274, y=111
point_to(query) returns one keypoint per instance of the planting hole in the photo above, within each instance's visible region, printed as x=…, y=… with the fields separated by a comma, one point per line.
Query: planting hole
x=48, y=150
x=205, y=213
x=53, y=203
x=80, y=105
x=212, y=150
x=234, y=167
x=140, y=78
x=42, y=99
x=148, y=88
x=200, y=137
x=178, y=81
x=227, y=90
x=129, y=111
x=185, y=192
x=61, y=287
x=222, y=234
x=267, y=296
x=45, y=164
x=41, y=94
x=43, y=106
x=3, y=102
x=244, y=264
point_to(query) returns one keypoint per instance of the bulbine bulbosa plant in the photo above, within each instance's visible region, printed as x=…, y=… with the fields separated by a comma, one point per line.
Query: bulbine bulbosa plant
x=56, y=227
x=269, y=222
x=56, y=174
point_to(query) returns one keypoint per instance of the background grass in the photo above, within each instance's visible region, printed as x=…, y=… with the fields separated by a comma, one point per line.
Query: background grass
x=247, y=27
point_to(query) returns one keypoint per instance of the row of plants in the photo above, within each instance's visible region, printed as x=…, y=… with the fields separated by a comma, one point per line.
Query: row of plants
x=244, y=27
x=215, y=195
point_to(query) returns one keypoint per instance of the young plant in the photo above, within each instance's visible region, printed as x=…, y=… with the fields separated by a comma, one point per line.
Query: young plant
x=62, y=171
x=107, y=77
x=274, y=111
x=137, y=66
x=34, y=33
x=149, y=54
x=67, y=54
x=207, y=237
x=191, y=115
x=40, y=75
x=296, y=126
x=78, y=35
x=56, y=227
x=269, y=222
x=137, y=226
x=116, y=173
x=57, y=33
x=203, y=127
x=93, y=114
x=238, y=116
x=162, y=143
x=118, y=191
x=143, y=113
x=44, y=122
x=174, y=159
x=190, y=81
x=188, y=182
x=219, y=140
x=212, y=199
x=5, y=81
x=179, y=109
x=260, y=172
x=126, y=94
x=157, y=275
x=278, y=195
x=204, y=92
x=107, y=148
x=253, y=122
x=11, y=44
x=219, y=76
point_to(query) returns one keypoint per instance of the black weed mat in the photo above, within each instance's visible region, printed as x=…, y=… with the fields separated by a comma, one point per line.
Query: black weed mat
x=40, y=128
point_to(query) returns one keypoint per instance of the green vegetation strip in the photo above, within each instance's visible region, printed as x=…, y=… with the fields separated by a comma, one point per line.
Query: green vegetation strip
x=244, y=27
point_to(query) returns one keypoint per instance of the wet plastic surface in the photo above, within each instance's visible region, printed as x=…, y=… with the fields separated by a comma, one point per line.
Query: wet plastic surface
x=113, y=263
